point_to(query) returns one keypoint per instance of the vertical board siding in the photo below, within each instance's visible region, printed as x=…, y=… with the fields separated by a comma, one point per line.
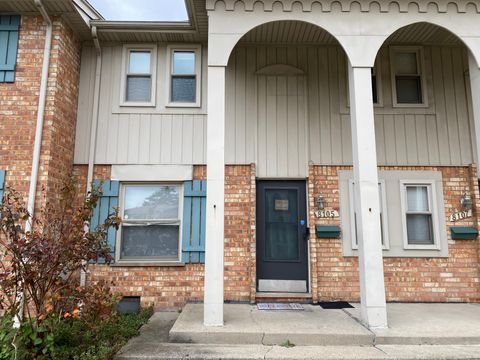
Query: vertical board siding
x=135, y=135
x=436, y=135
x=194, y=221
x=277, y=132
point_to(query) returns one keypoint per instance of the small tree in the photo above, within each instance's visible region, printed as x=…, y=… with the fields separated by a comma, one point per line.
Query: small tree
x=43, y=264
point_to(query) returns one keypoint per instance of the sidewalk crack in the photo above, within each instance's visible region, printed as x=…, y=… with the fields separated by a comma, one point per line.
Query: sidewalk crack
x=374, y=343
x=270, y=348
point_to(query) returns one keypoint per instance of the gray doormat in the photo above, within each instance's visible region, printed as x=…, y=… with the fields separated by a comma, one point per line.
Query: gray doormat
x=279, y=306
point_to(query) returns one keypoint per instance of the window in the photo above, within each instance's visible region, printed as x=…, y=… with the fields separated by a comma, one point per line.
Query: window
x=408, y=221
x=374, y=86
x=184, y=73
x=407, y=76
x=138, y=87
x=151, y=222
x=419, y=219
x=383, y=215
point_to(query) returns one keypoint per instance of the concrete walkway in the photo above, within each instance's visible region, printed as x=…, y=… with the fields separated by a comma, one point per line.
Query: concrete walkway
x=417, y=331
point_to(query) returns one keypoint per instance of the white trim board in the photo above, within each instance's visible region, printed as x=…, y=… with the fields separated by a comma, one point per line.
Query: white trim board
x=152, y=172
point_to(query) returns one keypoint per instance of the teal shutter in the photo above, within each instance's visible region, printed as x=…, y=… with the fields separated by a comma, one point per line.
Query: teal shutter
x=194, y=216
x=2, y=184
x=9, y=25
x=105, y=207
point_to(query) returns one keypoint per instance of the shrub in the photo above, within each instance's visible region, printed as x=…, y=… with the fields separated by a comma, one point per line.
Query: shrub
x=39, y=269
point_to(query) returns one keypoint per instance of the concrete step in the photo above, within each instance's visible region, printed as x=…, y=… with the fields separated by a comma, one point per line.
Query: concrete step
x=152, y=351
x=245, y=324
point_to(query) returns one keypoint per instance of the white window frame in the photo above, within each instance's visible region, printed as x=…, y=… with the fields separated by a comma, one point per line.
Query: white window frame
x=127, y=49
x=377, y=71
x=141, y=260
x=197, y=48
x=432, y=204
x=418, y=50
x=383, y=210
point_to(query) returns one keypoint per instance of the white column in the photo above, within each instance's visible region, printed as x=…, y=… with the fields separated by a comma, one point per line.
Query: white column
x=213, y=293
x=367, y=207
x=474, y=72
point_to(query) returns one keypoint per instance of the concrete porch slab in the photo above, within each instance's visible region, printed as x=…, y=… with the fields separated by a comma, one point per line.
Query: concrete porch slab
x=428, y=324
x=245, y=324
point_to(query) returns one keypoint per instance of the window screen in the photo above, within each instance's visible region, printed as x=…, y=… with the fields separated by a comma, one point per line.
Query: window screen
x=408, y=79
x=184, y=78
x=419, y=215
x=151, y=222
x=139, y=76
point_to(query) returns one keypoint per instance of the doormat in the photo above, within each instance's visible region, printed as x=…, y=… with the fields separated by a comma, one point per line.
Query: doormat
x=335, y=305
x=279, y=306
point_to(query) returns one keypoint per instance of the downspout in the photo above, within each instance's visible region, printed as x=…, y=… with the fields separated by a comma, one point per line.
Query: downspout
x=93, y=128
x=40, y=113
x=32, y=193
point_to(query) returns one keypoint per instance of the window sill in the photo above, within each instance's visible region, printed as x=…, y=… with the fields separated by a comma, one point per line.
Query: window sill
x=146, y=263
x=412, y=105
x=183, y=105
x=137, y=104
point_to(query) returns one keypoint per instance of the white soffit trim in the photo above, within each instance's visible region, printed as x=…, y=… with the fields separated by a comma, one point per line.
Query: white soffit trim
x=152, y=172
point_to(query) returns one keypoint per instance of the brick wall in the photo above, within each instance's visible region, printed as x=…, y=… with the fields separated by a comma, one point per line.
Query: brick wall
x=173, y=286
x=334, y=277
x=18, y=108
x=455, y=278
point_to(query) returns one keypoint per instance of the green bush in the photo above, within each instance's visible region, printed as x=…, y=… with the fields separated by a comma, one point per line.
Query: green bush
x=73, y=339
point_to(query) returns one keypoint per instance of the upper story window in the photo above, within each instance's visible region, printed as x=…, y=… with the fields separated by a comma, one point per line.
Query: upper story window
x=419, y=220
x=184, y=73
x=138, y=86
x=408, y=83
x=151, y=222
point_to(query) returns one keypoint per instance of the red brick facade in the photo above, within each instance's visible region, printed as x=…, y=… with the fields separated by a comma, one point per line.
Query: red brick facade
x=333, y=276
x=455, y=278
x=19, y=102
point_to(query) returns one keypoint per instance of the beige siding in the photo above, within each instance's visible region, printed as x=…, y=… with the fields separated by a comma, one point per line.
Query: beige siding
x=137, y=135
x=281, y=132
x=435, y=135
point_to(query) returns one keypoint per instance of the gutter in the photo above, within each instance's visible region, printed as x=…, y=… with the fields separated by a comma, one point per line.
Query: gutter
x=40, y=113
x=94, y=125
x=144, y=26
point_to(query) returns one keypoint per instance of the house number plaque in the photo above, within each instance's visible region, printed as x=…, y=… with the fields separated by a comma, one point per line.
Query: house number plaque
x=461, y=215
x=326, y=214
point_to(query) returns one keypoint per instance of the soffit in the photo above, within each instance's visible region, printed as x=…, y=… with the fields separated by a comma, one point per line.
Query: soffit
x=64, y=8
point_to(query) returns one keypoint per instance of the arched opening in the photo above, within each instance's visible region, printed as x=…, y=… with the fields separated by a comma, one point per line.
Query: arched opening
x=421, y=75
x=286, y=88
x=285, y=80
x=423, y=123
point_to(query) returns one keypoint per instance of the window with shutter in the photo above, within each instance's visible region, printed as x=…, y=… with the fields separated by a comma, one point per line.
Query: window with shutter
x=194, y=221
x=9, y=27
x=2, y=184
x=105, y=207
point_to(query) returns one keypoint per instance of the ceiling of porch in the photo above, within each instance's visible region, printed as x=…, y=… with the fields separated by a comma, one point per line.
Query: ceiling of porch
x=295, y=32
